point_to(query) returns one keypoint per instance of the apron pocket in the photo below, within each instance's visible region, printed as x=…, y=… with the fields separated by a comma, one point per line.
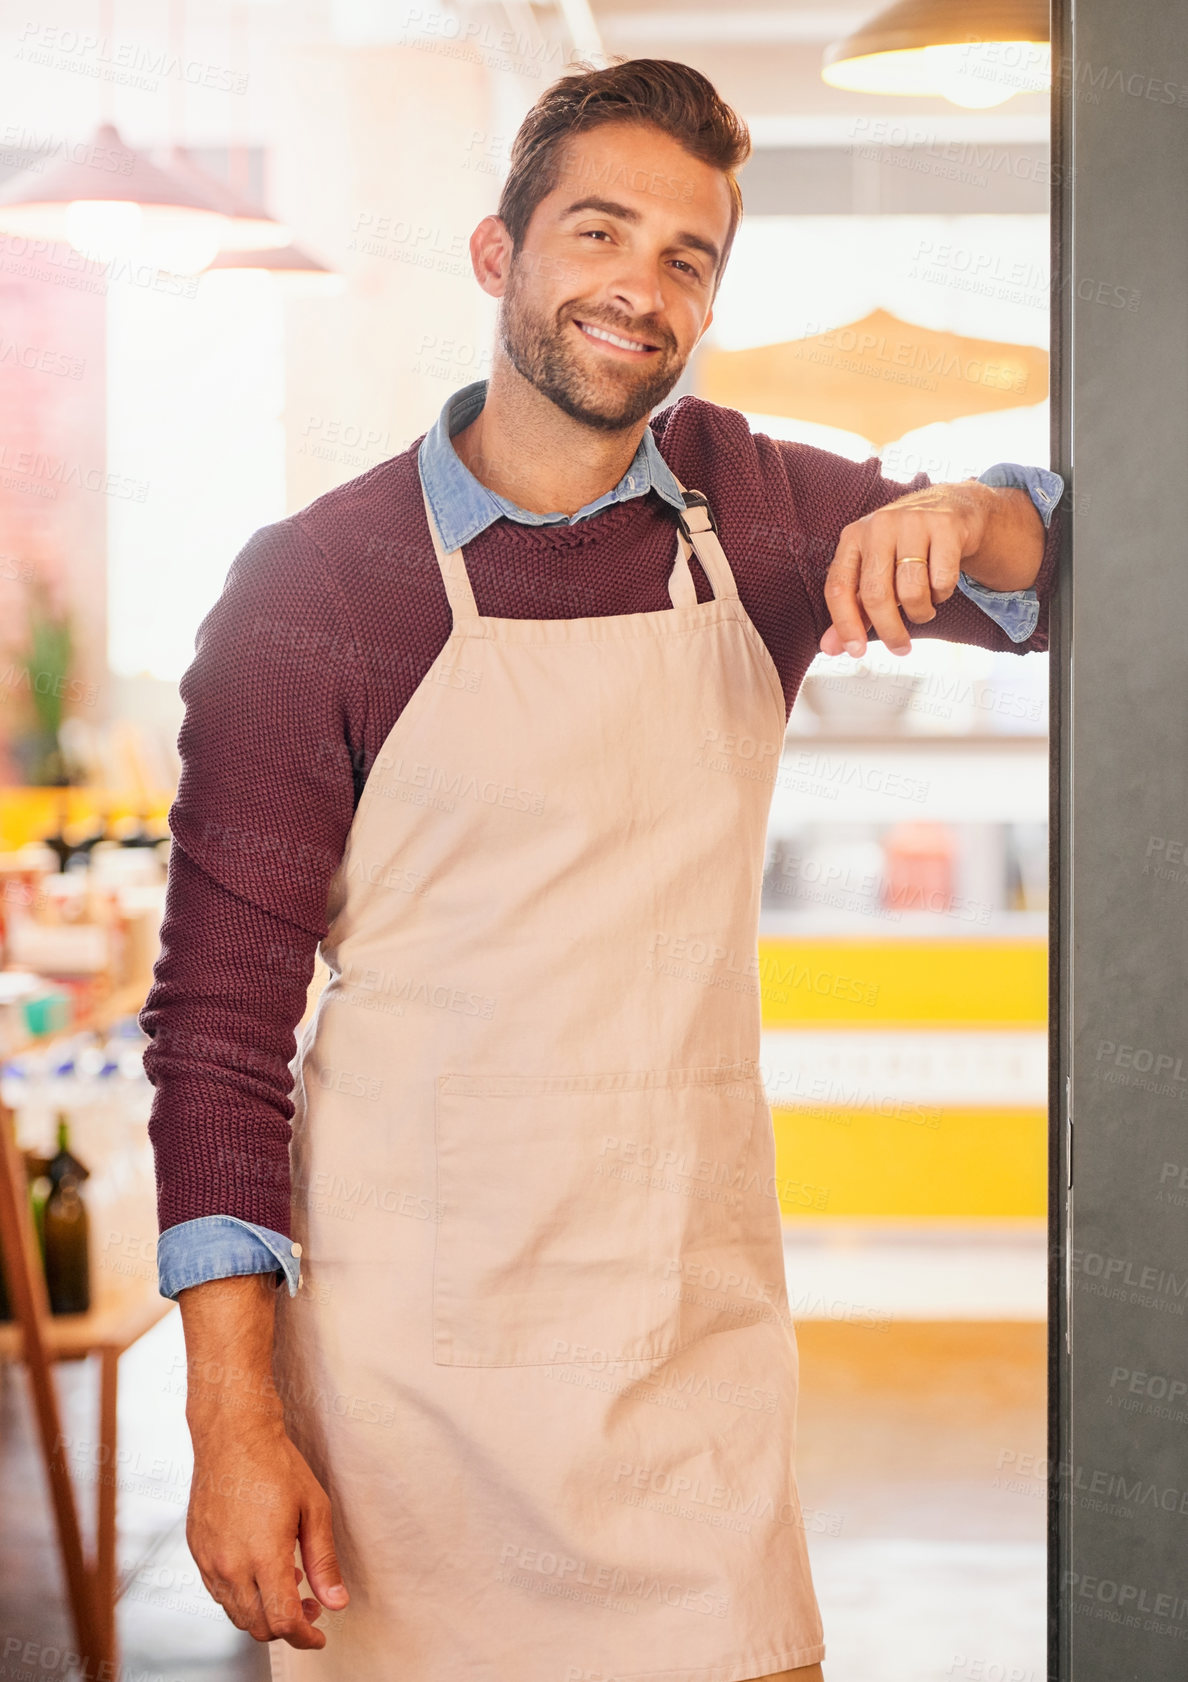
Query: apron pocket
x=594, y=1218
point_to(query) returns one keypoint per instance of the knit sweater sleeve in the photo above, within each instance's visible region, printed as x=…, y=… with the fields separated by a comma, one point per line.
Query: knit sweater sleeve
x=271, y=747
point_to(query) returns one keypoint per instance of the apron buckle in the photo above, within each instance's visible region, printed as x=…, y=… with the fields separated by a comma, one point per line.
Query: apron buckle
x=694, y=500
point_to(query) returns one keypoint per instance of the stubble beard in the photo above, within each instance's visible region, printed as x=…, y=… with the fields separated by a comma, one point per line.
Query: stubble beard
x=540, y=351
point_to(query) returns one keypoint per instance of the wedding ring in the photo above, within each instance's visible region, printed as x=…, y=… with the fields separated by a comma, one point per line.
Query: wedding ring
x=905, y=559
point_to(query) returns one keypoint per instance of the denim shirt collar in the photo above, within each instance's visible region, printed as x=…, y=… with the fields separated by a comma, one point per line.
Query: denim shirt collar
x=463, y=507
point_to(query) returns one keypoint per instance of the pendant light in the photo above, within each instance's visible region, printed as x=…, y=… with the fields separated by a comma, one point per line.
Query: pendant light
x=248, y=228
x=974, y=53
x=115, y=203
x=294, y=270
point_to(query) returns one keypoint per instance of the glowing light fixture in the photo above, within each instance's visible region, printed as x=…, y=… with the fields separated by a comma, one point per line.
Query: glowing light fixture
x=292, y=268
x=110, y=201
x=974, y=53
x=248, y=228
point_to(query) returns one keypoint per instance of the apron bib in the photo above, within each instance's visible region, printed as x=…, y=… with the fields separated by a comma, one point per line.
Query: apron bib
x=542, y=1359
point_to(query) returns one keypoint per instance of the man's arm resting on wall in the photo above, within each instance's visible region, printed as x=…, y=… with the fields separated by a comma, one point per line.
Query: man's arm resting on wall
x=983, y=536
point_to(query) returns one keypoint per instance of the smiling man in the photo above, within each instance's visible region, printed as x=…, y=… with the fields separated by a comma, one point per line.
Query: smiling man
x=496, y=727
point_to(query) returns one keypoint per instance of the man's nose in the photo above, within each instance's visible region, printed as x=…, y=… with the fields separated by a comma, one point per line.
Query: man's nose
x=635, y=288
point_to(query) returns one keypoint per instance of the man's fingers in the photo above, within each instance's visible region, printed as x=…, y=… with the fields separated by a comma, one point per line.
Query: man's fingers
x=893, y=564
x=281, y=1610
x=877, y=590
x=311, y=1608
x=944, y=561
x=912, y=586
x=260, y=1604
x=841, y=597
x=316, y=1534
x=831, y=642
x=235, y=1592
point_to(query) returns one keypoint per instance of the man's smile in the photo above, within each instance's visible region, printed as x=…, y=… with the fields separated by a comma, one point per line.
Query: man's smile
x=616, y=342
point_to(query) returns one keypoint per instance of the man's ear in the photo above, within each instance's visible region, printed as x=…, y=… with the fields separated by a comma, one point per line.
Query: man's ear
x=490, y=255
x=705, y=324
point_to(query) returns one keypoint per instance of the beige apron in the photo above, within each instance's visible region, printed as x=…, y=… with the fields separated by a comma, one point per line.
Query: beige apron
x=542, y=1359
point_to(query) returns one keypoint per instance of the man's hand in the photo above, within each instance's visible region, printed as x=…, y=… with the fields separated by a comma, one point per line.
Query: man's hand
x=906, y=556
x=253, y=1496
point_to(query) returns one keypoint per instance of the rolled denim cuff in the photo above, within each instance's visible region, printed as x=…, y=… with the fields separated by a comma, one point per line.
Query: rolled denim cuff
x=1044, y=487
x=1017, y=611
x=223, y=1247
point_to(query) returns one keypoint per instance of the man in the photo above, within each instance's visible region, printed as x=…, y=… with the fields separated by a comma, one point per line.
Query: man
x=482, y=723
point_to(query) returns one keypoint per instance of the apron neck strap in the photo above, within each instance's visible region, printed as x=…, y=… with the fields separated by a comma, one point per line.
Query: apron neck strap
x=453, y=572
x=700, y=529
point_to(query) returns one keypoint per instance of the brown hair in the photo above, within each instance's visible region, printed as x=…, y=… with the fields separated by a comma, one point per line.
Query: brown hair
x=672, y=97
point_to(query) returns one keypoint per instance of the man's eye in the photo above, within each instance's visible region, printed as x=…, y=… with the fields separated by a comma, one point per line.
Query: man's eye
x=586, y=232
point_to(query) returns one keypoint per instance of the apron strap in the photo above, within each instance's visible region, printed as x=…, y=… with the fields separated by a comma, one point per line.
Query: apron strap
x=682, y=592
x=698, y=527
x=453, y=572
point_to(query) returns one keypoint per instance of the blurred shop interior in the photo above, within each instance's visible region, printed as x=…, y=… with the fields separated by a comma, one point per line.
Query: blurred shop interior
x=233, y=274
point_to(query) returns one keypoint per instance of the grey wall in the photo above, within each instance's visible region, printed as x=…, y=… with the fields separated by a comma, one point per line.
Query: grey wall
x=1120, y=961
x=867, y=178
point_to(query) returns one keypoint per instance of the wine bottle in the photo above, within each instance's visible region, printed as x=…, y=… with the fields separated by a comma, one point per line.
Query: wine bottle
x=67, y=1240
x=37, y=1185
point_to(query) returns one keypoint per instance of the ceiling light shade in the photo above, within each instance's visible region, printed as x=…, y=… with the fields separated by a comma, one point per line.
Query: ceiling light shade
x=975, y=53
x=294, y=269
x=248, y=227
x=847, y=377
x=111, y=193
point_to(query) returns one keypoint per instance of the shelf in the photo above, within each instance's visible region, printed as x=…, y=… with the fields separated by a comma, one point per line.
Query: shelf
x=1022, y=743
x=906, y=926
x=119, y=1001
x=114, y=1323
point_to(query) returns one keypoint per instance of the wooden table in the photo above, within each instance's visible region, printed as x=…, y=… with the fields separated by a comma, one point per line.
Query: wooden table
x=120, y=1315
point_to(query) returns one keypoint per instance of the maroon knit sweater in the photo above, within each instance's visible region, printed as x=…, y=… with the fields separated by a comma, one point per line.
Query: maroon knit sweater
x=326, y=625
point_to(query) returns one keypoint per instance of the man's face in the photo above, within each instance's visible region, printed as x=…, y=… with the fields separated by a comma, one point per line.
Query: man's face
x=628, y=243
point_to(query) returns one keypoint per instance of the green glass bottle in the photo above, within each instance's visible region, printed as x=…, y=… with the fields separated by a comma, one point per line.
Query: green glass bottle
x=67, y=1242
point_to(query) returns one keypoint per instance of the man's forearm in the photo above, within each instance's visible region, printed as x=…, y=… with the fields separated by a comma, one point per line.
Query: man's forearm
x=228, y=1326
